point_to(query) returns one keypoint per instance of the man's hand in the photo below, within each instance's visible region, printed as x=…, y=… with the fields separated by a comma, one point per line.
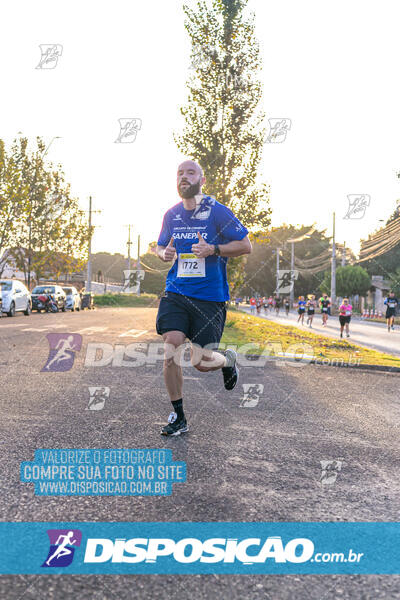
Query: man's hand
x=202, y=249
x=169, y=252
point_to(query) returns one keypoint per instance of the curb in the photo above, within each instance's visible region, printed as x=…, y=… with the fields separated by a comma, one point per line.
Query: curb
x=318, y=362
x=362, y=366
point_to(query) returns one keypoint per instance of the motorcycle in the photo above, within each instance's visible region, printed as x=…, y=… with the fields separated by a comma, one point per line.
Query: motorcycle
x=46, y=303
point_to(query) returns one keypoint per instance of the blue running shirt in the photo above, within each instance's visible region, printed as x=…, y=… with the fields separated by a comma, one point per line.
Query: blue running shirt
x=205, y=278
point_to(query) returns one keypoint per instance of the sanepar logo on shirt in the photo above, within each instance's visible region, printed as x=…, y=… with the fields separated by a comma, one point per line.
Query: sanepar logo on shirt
x=191, y=550
x=191, y=235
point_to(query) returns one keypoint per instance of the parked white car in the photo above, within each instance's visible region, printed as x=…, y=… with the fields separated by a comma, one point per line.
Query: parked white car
x=15, y=297
x=73, y=298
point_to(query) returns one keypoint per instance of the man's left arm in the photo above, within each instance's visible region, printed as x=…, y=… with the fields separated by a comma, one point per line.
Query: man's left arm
x=234, y=248
x=233, y=235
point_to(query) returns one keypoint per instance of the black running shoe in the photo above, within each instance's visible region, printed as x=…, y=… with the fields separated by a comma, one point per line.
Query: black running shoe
x=230, y=372
x=174, y=426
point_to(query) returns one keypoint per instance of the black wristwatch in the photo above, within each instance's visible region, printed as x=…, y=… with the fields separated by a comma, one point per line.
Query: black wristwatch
x=217, y=251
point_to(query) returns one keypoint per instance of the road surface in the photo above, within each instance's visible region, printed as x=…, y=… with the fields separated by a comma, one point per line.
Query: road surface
x=243, y=464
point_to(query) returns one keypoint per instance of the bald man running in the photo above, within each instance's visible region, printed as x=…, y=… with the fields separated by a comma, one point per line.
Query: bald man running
x=199, y=234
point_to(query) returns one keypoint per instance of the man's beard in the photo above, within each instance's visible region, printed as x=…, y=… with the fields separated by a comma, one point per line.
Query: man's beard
x=191, y=191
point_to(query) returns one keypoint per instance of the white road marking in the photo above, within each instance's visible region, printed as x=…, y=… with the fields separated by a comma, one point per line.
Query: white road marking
x=133, y=333
x=91, y=330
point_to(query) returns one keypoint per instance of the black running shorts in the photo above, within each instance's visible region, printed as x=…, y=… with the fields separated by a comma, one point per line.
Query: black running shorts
x=202, y=321
x=343, y=319
x=390, y=312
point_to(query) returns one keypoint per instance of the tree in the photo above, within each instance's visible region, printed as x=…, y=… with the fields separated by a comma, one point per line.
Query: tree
x=111, y=266
x=350, y=280
x=395, y=282
x=154, y=279
x=260, y=268
x=50, y=232
x=386, y=263
x=13, y=197
x=223, y=124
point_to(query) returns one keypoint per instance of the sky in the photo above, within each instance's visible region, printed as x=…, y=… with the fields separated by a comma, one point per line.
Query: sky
x=331, y=68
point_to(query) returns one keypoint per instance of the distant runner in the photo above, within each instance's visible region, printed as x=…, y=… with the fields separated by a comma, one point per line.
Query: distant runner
x=345, y=310
x=391, y=305
x=253, y=304
x=324, y=303
x=199, y=234
x=270, y=303
x=287, y=306
x=277, y=305
x=301, y=309
x=310, y=309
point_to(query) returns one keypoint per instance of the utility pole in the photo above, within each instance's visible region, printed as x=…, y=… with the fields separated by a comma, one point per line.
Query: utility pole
x=333, y=269
x=129, y=244
x=138, y=262
x=293, y=241
x=89, y=265
x=277, y=269
x=344, y=255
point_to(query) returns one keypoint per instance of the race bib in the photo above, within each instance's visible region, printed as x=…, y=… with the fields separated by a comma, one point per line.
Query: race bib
x=392, y=304
x=189, y=265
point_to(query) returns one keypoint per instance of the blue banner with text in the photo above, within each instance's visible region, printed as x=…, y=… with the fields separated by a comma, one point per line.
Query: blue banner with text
x=190, y=548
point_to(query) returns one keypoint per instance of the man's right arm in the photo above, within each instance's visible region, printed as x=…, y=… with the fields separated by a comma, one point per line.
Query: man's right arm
x=166, y=253
x=160, y=252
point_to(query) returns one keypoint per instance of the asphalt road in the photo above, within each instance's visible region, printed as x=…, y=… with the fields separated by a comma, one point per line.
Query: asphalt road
x=244, y=464
x=368, y=334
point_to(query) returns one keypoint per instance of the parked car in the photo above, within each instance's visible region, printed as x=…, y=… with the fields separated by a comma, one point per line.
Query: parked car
x=73, y=298
x=15, y=297
x=55, y=291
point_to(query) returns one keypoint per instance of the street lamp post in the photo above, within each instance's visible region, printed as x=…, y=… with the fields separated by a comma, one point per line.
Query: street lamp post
x=292, y=274
x=333, y=269
x=293, y=242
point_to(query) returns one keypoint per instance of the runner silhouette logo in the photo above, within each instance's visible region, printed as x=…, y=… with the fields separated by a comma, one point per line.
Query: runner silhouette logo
x=62, y=351
x=63, y=543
